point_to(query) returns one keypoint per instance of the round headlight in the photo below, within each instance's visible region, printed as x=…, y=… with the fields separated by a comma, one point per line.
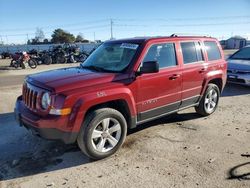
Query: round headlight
x=46, y=101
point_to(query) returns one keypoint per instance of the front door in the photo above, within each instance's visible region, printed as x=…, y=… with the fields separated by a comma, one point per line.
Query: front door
x=159, y=93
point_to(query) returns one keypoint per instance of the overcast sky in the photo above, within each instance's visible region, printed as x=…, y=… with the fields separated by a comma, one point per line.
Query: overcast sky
x=219, y=18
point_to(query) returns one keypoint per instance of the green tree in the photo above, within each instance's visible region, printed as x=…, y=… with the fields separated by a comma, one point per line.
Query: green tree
x=46, y=41
x=79, y=38
x=61, y=36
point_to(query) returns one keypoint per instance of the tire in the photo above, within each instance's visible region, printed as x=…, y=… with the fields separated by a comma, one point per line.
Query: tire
x=97, y=121
x=47, y=60
x=15, y=64
x=32, y=63
x=60, y=60
x=12, y=63
x=82, y=58
x=209, y=101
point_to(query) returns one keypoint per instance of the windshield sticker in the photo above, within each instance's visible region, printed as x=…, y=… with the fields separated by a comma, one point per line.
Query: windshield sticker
x=129, y=46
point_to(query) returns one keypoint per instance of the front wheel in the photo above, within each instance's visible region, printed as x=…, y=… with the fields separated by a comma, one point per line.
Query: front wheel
x=102, y=133
x=15, y=64
x=209, y=101
x=32, y=63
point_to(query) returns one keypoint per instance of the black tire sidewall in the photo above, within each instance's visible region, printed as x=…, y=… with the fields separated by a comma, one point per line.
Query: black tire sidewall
x=89, y=127
x=32, y=63
x=47, y=60
x=210, y=87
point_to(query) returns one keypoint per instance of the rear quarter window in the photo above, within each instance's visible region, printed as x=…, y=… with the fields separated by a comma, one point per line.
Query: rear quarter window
x=213, y=51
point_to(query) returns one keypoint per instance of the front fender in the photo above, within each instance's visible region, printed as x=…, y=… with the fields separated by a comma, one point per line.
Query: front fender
x=95, y=98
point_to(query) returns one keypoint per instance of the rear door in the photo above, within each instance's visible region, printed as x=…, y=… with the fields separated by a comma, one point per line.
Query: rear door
x=159, y=93
x=193, y=71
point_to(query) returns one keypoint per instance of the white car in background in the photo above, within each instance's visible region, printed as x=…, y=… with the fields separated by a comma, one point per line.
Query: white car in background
x=238, y=70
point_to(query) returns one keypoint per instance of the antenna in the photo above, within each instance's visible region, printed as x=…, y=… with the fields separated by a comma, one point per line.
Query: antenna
x=111, y=29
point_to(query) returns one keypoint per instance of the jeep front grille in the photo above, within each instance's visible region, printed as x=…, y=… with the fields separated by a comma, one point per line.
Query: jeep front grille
x=30, y=96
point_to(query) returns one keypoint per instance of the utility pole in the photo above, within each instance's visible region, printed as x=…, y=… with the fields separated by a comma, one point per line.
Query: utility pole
x=27, y=38
x=111, y=29
x=1, y=39
x=7, y=41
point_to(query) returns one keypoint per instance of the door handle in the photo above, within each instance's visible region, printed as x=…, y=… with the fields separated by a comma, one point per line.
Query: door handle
x=203, y=70
x=174, y=76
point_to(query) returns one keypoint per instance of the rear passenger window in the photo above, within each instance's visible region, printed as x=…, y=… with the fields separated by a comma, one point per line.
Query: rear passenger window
x=213, y=51
x=163, y=53
x=191, y=52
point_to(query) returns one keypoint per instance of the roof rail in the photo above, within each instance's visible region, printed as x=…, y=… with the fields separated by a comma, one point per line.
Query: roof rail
x=188, y=35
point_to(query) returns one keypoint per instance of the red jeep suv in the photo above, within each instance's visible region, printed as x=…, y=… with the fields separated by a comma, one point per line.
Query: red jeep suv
x=122, y=84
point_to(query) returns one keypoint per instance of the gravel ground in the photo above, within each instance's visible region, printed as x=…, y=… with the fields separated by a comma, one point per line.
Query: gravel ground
x=181, y=150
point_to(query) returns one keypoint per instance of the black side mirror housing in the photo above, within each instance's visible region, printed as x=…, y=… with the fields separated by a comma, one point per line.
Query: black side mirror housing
x=149, y=67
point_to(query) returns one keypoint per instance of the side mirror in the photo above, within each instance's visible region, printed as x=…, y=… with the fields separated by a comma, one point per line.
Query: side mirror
x=149, y=67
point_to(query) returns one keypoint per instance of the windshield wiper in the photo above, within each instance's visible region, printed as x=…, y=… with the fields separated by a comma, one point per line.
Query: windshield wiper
x=239, y=58
x=97, y=69
x=92, y=67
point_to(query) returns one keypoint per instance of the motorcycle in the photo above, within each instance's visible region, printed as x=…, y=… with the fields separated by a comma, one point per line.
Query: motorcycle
x=81, y=57
x=40, y=57
x=22, y=59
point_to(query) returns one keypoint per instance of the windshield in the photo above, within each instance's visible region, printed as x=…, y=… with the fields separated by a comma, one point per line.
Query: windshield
x=244, y=53
x=111, y=57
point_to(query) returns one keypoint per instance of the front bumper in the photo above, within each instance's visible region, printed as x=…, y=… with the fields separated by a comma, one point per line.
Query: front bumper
x=50, y=127
x=242, y=79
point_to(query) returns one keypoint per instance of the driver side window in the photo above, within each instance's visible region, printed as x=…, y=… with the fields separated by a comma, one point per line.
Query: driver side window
x=163, y=53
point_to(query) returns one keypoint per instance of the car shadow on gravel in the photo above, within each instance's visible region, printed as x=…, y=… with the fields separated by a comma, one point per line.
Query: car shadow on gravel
x=23, y=154
x=235, y=90
x=177, y=118
x=41, y=156
x=8, y=68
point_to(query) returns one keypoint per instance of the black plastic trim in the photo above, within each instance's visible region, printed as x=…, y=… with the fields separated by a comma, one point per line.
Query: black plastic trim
x=158, y=111
x=167, y=109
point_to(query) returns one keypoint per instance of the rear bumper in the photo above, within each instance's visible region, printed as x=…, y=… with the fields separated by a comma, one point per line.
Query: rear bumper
x=47, y=128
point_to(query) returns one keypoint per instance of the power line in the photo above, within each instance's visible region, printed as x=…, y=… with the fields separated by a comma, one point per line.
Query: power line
x=182, y=19
x=56, y=26
x=208, y=24
x=125, y=20
x=76, y=29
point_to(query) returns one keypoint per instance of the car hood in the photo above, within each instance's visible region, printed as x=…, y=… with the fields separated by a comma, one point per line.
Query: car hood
x=71, y=78
x=237, y=64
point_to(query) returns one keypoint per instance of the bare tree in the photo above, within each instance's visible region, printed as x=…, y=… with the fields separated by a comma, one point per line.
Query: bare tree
x=39, y=35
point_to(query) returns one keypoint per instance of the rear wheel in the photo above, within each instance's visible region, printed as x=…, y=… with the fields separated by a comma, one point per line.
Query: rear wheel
x=60, y=58
x=47, y=60
x=32, y=63
x=102, y=133
x=209, y=101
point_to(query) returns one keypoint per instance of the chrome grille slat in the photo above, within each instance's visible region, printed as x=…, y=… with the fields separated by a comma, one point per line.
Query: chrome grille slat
x=34, y=100
x=30, y=96
x=27, y=96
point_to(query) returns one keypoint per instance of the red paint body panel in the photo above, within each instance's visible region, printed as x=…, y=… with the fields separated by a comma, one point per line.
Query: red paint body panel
x=84, y=89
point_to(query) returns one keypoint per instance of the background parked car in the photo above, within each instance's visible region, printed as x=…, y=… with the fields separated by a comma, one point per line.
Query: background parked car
x=5, y=55
x=239, y=67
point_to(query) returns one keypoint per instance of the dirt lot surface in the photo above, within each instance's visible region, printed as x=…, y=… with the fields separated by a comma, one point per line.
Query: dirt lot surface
x=181, y=150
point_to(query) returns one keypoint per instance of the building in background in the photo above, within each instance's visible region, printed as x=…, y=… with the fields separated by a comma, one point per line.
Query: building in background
x=235, y=42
